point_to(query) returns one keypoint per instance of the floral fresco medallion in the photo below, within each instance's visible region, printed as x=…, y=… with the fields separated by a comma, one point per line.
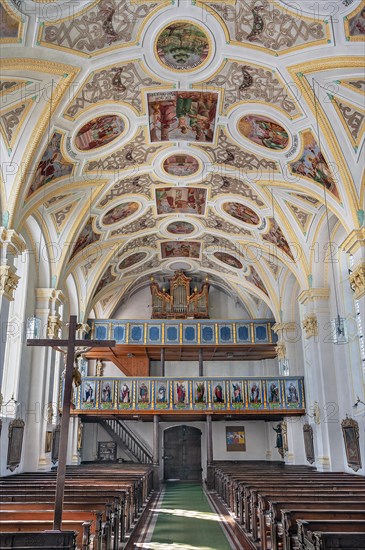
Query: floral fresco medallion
x=98, y=132
x=120, y=213
x=181, y=200
x=263, y=131
x=176, y=249
x=187, y=116
x=132, y=259
x=180, y=228
x=228, y=259
x=182, y=46
x=241, y=212
x=181, y=165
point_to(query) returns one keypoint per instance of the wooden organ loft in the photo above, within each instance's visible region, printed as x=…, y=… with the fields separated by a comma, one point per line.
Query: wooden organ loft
x=179, y=302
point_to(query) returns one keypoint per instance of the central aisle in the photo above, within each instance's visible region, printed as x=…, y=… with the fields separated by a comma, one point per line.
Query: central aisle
x=186, y=521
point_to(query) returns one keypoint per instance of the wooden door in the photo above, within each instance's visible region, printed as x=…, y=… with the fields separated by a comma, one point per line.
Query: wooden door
x=182, y=453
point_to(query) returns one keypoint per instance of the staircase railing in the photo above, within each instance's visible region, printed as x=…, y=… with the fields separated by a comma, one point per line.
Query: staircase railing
x=134, y=447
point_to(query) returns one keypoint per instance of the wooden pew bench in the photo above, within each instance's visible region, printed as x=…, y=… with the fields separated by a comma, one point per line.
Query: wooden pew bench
x=347, y=534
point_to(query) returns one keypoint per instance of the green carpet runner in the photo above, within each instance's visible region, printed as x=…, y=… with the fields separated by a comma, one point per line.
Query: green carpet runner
x=186, y=521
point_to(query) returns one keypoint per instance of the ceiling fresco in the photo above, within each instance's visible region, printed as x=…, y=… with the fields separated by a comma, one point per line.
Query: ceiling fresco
x=143, y=136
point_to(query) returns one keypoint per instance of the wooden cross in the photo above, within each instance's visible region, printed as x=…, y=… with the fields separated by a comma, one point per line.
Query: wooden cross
x=71, y=344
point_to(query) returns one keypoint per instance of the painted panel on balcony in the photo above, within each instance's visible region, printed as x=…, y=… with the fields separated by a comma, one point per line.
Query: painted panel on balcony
x=172, y=334
x=106, y=394
x=261, y=334
x=119, y=333
x=219, y=394
x=200, y=394
x=125, y=397
x=293, y=395
x=88, y=394
x=162, y=394
x=144, y=394
x=154, y=334
x=190, y=334
x=255, y=394
x=237, y=394
x=181, y=397
x=101, y=331
x=136, y=335
x=207, y=333
x=243, y=332
x=273, y=394
x=225, y=334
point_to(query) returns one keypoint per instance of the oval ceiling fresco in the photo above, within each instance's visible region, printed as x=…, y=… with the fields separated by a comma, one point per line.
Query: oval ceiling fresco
x=182, y=46
x=228, y=259
x=180, y=228
x=181, y=165
x=263, y=131
x=241, y=212
x=120, y=212
x=132, y=260
x=98, y=132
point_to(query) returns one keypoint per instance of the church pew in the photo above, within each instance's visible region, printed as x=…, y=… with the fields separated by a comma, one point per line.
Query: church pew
x=288, y=529
x=273, y=517
x=80, y=528
x=65, y=540
x=351, y=533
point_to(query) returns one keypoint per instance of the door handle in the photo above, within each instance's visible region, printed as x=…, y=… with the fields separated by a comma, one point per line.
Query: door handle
x=167, y=457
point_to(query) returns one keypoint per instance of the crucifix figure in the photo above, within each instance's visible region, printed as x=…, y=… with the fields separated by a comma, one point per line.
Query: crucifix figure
x=71, y=343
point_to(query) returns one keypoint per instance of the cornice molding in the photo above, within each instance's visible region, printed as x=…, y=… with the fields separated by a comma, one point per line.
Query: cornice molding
x=313, y=295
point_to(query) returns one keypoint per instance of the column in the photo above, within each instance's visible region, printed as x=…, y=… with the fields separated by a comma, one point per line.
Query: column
x=209, y=452
x=156, y=453
x=320, y=378
x=75, y=456
x=201, y=368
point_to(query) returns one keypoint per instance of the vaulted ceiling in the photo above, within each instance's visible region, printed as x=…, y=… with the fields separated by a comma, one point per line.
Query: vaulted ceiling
x=139, y=138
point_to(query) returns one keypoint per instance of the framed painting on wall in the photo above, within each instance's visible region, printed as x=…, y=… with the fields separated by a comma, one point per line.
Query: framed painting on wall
x=48, y=442
x=235, y=438
x=308, y=443
x=16, y=432
x=350, y=430
x=55, y=443
x=107, y=451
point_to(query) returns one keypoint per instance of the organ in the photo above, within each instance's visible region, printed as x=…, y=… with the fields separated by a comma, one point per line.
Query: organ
x=180, y=302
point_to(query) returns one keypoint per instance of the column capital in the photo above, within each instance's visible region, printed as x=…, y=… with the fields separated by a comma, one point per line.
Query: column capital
x=51, y=294
x=8, y=281
x=280, y=327
x=310, y=325
x=355, y=241
x=313, y=295
x=357, y=280
x=11, y=242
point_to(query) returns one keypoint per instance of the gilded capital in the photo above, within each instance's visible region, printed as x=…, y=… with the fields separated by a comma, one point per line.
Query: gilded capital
x=8, y=281
x=280, y=351
x=310, y=325
x=357, y=280
x=54, y=326
x=11, y=242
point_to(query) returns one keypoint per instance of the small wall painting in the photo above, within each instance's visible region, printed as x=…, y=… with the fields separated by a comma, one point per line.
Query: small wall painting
x=88, y=394
x=16, y=432
x=125, y=394
x=313, y=165
x=350, y=431
x=86, y=237
x=254, y=394
x=98, y=132
x=241, y=212
x=276, y=236
x=106, y=279
x=254, y=278
x=162, y=394
x=263, y=131
x=106, y=394
x=180, y=228
x=228, y=259
x=308, y=443
x=181, y=394
x=143, y=394
x=176, y=249
x=292, y=393
x=181, y=200
x=132, y=260
x=235, y=438
x=237, y=395
x=48, y=442
x=218, y=394
x=357, y=23
x=9, y=26
x=182, y=46
x=186, y=116
x=181, y=165
x=120, y=212
x=52, y=165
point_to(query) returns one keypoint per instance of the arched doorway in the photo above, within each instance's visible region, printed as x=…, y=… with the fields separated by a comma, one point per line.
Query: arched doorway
x=182, y=453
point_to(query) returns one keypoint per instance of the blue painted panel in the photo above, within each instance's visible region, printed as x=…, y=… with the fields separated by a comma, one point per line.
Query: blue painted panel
x=136, y=334
x=225, y=334
x=207, y=333
x=190, y=334
x=243, y=333
x=101, y=332
x=119, y=334
x=261, y=333
x=172, y=334
x=154, y=334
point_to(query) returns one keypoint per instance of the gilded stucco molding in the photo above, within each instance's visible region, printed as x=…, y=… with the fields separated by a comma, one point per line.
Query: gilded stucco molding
x=357, y=281
x=8, y=282
x=355, y=241
x=313, y=295
x=11, y=242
